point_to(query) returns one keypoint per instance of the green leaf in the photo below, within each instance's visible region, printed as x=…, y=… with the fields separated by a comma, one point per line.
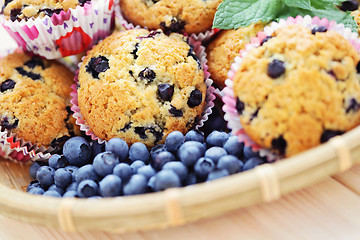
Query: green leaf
x=241, y=13
x=325, y=4
x=332, y=13
x=303, y=4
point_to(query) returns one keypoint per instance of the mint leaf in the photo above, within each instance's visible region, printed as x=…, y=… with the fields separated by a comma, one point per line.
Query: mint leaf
x=325, y=4
x=303, y=4
x=332, y=13
x=235, y=13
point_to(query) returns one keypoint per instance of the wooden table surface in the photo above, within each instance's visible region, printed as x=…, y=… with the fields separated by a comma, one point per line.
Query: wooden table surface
x=327, y=210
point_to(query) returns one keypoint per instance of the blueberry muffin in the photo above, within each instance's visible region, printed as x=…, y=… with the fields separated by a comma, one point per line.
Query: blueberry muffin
x=190, y=16
x=16, y=10
x=140, y=86
x=222, y=50
x=298, y=89
x=35, y=99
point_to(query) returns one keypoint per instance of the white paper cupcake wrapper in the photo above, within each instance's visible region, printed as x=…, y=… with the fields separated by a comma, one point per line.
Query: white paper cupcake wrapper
x=231, y=114
x=210, y=97
x=66, y=33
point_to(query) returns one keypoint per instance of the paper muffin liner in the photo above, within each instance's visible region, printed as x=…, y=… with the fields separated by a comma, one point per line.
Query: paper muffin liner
x=210, y=97
x=202, y=37
x=229, y=108
x=17, y=149
x=66, y=33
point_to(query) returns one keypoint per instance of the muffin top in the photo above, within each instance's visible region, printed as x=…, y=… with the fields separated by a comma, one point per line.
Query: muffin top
x=140, y=86
x=222, y=50
x=297, y=90
x=190, y=16
x=34, y=99
x=25, y=9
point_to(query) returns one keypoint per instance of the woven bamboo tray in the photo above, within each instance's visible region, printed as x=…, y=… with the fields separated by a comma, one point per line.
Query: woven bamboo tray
x=176, y=206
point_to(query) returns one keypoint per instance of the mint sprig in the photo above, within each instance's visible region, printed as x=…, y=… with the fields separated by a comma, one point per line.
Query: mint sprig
x=233, y=14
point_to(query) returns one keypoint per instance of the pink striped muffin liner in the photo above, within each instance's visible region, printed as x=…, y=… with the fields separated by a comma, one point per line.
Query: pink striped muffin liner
x=66, y=33
x=229, y=108
x=210, y=97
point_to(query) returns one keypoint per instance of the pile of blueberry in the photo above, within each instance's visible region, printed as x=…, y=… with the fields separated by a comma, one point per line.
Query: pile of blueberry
x=113, y=169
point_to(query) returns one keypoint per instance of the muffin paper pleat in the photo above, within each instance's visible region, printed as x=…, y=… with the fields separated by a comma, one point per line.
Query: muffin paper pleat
x=64, y=34
x=229, y=108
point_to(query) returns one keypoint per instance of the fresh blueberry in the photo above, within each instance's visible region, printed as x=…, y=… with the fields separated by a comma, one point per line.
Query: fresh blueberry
x=199, y=145
x=57, y=189
x=77, y=151
x=123, y=171
x=7, y=85
x=178, y=167
x=252, y=162
x=97, y=65
x=318, y=29
x=161, y=159
x=249, y=153
x=217, y=138
x=136, y=185
x=136, y=165
x=147, y=171
x=138, y=151
x=110, y=186
x=276, y=68
x=86, y=172
x=34, y=62
x=165, y=91
x=203, y=167
x=104, y=163
x=194, y=135
x=45, y=176
x=56, y=161
x=36, y=191
x=215, y=153
x=72, y=187
x=189, y=155
x=33, y=184
x=174, y=140
x=51, y=193
x=151, y=184
x=219, y=173
x=156, y=150
x=71, y=193
x=62, y=178
x=73, y=170
x=191, y=179
x=230, y=163
x=96, y=148
x=166, y=179
x=87, y=188
x=358, y=67
x=31, y=75
x=14, y=14
x=350, y=5
x=234, y=147
x=33, y=168
x=119, y=147
x=195, y=98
